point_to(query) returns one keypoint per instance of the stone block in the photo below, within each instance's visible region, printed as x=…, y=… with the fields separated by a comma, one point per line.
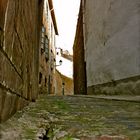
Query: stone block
x=1, y=68
x=2, y=101
x=1, y=37
x=14, y=104
x=8, y=105
x=21, y=103
x=9, y=76
x=137, y=87
x=5, y=113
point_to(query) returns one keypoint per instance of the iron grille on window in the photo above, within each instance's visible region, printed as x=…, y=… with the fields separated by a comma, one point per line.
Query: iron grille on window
x=46, y=48
x=43, y=40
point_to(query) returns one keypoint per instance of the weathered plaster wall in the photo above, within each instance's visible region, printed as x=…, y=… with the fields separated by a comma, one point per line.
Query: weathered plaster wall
x=112, y=39
x=19, y=40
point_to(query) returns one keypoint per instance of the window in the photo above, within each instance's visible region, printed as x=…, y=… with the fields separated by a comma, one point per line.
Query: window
x=43, y=39
x=46, y=48
x=40, y=77
x=45, y=81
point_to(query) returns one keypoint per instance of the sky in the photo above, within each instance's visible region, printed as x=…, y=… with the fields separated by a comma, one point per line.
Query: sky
x=66, y=12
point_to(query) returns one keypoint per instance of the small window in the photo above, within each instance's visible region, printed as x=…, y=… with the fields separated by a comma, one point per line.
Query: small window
x=42, y=51
x=40, y=77
x=46, y=48
x=45, y=81
x=43, y=39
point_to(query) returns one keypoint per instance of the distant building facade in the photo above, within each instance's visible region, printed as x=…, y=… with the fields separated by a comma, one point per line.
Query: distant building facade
x=66, y=54
x=64, y=80
x=64, y=84
x=20, y=24
x=47, y=49
x=111, y=31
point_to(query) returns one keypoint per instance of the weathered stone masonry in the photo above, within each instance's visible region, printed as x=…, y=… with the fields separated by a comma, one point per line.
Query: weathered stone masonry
x=79, y=65
x=19, y=41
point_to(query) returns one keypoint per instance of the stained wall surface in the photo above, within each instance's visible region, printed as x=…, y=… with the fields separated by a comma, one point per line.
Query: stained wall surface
x=112, y=46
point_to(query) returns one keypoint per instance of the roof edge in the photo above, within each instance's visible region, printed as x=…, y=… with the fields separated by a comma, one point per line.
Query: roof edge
x=53, y=16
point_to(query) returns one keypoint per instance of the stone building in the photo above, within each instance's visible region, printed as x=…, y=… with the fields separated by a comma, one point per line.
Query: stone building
x=20, y=25
x=111, y=31
x=79, y=69
x=63, y=75
x=64, y=84
x=47, y=49
x=67, y=55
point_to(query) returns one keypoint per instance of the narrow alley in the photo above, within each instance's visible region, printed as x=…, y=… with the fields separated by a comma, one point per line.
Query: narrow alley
x=69, y=69
x=73, y=118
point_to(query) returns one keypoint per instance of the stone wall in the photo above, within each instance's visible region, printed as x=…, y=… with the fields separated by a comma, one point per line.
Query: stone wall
x=68, y=87
x=79, y=65
x=19, y=40
x=112, y=39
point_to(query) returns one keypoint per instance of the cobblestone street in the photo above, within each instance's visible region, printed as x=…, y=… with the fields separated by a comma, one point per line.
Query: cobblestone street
x=71, y=117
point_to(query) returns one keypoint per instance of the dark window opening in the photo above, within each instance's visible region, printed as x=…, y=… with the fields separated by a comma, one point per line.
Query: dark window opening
x=45, y=81
x=47, y=59
x=40, y=77
x=42, y=51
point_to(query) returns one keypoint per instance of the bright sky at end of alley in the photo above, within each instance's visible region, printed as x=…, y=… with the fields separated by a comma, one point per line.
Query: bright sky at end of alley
x=66, y=12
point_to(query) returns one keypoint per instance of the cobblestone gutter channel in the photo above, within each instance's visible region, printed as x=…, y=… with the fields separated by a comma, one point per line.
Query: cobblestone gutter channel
x=73, y=118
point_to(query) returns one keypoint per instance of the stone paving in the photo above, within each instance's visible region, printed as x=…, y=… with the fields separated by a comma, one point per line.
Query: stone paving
x=74, y=118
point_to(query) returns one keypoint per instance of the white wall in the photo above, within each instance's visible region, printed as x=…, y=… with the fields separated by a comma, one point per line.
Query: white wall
x=112, y=29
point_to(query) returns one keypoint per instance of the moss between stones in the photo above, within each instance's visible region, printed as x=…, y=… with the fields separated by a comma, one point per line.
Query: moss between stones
x=62, y=105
